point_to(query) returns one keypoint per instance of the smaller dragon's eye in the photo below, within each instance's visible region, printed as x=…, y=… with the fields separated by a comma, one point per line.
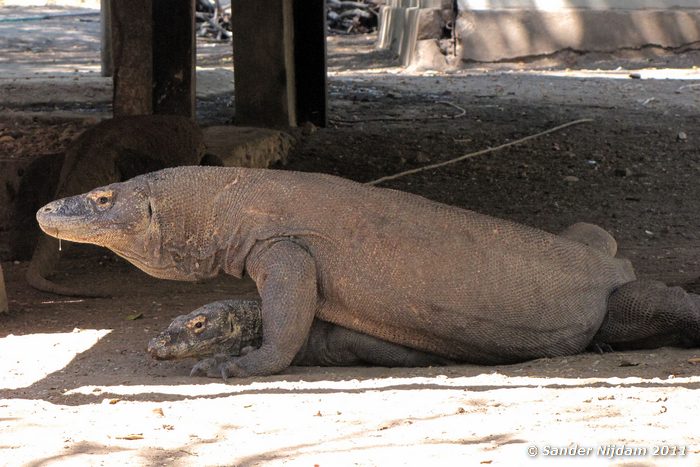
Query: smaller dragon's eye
x=197, y=324
x=102, y=200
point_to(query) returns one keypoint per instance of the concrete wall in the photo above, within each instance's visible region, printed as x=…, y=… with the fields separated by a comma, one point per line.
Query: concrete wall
x=492, y=35
x=94, y=4
x=494, y=30
x=555, y=5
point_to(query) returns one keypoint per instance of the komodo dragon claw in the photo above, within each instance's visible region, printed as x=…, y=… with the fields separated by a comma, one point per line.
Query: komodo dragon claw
x=601, y=347
x=218, y=366
x=205, y=367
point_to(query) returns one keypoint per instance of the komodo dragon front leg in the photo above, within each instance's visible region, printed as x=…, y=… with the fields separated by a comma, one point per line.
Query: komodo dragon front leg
x=285, y=274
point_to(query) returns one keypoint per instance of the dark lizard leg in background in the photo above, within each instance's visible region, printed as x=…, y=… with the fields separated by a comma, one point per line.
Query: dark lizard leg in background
x=331, y=345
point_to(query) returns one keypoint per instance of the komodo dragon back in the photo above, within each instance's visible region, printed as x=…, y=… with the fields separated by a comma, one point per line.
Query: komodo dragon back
x=115, y=150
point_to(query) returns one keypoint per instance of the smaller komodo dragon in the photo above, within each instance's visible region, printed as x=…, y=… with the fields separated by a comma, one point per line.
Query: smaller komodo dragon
x=389, y=264
x=230, y=328
x=115, y=150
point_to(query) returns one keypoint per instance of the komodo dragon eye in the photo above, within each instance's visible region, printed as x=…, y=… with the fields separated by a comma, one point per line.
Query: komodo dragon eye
x=102, y=199
x=197, y=323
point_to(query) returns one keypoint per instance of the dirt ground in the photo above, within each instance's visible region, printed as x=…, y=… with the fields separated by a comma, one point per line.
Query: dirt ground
x=77, y=388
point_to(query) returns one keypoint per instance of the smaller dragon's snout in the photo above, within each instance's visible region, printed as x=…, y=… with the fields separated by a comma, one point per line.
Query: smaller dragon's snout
x=157, y=347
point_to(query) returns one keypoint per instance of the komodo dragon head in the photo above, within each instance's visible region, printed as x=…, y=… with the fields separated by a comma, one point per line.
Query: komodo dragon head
x=227, y=327
x=117, y=216
x=170, y=224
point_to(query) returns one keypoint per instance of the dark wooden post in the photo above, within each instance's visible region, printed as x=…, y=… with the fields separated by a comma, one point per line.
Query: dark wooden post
x=174, y=47
x=3, y=294
x=153, y=49
x=132, y=52
x=263, y=62
x=106, y=37
x=310, y=61
x=279, y=58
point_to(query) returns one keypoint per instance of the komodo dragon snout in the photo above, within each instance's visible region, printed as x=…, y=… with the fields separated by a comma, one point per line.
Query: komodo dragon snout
x=90, y=217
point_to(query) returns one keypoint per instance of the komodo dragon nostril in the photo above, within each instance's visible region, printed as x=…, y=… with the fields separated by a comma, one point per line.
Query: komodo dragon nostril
x=48, y=209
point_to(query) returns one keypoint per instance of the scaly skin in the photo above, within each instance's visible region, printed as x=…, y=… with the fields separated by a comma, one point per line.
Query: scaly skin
x=387, y=264
x=230, y=328
x=112, y=151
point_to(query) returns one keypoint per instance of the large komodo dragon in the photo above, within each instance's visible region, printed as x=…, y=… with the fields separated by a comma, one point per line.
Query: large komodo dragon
x=385, y=263
x=234, y=327
x=112, y=151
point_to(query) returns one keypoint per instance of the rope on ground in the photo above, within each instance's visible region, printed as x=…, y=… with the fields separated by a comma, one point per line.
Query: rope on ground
x=461, y=113
x=479, y=153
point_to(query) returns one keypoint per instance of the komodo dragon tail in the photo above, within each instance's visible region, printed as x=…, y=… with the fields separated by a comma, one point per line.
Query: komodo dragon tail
x=44, y=262
x=647, y=314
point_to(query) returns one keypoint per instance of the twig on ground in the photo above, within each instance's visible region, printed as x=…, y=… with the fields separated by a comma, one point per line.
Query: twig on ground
x=478, y=153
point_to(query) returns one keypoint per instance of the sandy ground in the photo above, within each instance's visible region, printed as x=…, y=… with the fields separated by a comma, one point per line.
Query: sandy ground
x=76, y=387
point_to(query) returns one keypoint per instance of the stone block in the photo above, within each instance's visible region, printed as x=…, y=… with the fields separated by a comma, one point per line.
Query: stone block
x=232, y=146
x=430, y=24
x=428, y=56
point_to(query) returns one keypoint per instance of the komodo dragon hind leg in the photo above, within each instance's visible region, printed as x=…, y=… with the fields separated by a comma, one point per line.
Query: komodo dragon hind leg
x=591, y=235
x=44, y=261
x=646, y=314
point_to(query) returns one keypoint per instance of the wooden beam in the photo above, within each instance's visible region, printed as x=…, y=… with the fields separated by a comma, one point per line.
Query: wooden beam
x=106, y=38
x=310, y=61
x=3, y=294
x=263, y=61
x=132, y=51
x=174, y=59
